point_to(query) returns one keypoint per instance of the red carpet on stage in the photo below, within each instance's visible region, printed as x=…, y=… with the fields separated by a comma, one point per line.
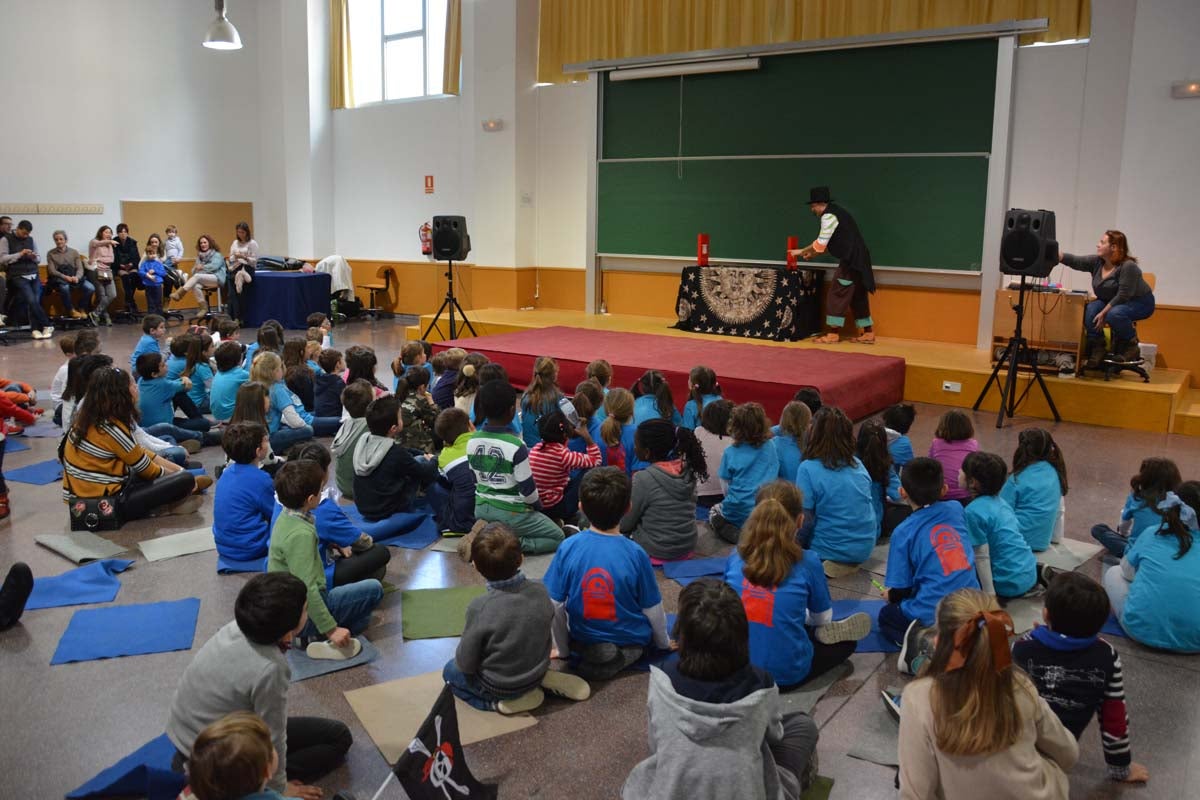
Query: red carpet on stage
x=859, y=384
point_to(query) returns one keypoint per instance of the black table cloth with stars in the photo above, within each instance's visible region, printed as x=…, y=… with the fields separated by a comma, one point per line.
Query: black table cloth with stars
x=750, y=302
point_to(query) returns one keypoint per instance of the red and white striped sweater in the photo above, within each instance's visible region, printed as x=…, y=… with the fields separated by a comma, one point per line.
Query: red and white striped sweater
x=552, y=463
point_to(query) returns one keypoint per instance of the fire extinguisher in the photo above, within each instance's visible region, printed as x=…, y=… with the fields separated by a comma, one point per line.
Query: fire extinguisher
x=426, y=234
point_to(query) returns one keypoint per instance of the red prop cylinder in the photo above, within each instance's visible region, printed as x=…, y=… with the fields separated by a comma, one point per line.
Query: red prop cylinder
x=793, y=242
x=702, y=249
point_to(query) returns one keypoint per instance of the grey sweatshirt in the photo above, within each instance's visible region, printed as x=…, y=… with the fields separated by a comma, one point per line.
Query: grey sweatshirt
x=506, y=641
x=1125, y=282
x=231, y=673
x=343, y=453
x=709, y=750
x=662, y=512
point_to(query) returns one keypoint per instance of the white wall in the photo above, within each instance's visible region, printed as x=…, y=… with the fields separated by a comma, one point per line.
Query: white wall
x=566, y=117
x=120, y=102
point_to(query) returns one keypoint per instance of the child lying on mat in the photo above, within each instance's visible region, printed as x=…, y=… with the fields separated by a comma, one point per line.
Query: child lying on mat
x=337, y=614
x=388, y=475
x=502, y=662
x=243, y=667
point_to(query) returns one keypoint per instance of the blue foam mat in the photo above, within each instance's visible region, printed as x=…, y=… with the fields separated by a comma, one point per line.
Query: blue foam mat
x=93, y=583
x=146, y=772
x=39, y=474
x=1113, y=628
x=131, y=630
x=304, y=667
x=695, y=568
x=42, y=430
x=414, y=530
x=12, y=445
x=875, y=641
x=229, y=566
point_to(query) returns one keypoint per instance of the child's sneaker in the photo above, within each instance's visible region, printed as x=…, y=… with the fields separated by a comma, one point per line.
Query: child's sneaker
x=564, y=684
x=519, y=705
x=851, y=629
x=203, y=482
x=192, y=446
x=836, y=569
x=914, y=649
x=891, y=701
x=570, y=530
x=328, y=651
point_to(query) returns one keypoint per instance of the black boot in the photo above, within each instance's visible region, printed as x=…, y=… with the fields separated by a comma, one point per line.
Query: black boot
x=13, y=595
x=1095, y=353
x=1128, y=351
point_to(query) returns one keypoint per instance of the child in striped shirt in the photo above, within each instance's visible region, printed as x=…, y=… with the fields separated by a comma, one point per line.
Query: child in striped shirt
x=552, y=461
x=504, y=487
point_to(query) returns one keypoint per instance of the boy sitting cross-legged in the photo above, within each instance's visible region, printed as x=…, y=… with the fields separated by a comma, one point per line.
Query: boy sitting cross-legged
x=355, y=399
x=1078, y=673
x=387, y=475
x=606, y=600
x=245, y=496
x=454, y=427
x=244, y=667
x=335, y=614
x=502, y=662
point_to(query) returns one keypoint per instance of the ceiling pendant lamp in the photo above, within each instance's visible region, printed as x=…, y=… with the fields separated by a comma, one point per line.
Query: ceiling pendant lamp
x=221, y=33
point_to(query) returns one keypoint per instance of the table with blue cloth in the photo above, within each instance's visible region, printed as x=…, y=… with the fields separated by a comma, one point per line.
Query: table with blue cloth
x=288, y=297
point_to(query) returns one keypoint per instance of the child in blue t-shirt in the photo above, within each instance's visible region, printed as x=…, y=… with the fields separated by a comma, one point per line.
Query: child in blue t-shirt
x=872, y=450
x=177, y=351
x=245, y=495
x=156, y=393
x=839, y=517
x=1155, y=478
x=1005, y=564
x=928, y=559
x=287, y=421
x=199, y=369
x=789, y=436
x=898, y=419
x=748, y=463
x=786, y=595
x=1036, y=487
x=154, y=328
x=653, y=398
x=703, y=388
x=1153, y=590
x=606, y=600
x=222, y=396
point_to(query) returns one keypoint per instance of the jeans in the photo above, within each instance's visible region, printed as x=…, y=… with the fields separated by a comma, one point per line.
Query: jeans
x=315, y=747
x=131, y=282
x=153, y=298
x=351, y=605
x=283, y=439
x=27, y=292
x=175, y=432
x=536, y=532
x=176, y=455
x=326, y=426
x=143, y=497
x=1120, y=318
x=361, y=566
x=1118, y=590
x=471, y=690
x=893, y=623
x=86, y=290
x=1113, y=542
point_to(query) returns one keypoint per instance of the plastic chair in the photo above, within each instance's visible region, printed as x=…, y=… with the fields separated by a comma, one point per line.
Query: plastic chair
x=374, y=289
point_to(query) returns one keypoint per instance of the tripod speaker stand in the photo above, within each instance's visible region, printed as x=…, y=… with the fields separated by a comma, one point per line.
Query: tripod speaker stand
x=449, y=306
x=1016, y=353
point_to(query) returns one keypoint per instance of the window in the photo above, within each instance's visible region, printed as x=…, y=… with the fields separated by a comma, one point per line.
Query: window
x=397, y=48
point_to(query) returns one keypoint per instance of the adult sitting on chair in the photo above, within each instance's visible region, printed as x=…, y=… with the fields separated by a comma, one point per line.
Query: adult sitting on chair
x=18, y=253
x=64, y=271
x=126, y=258
x=1122, y=298
x=209, y=271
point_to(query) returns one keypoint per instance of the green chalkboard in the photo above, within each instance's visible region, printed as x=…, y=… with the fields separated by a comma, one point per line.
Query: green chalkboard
x=879, y=111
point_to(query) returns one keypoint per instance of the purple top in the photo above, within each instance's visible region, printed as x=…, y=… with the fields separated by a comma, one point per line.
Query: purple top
x=952, y=454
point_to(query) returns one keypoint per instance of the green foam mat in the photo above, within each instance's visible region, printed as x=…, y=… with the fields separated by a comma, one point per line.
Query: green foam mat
x=436, y=613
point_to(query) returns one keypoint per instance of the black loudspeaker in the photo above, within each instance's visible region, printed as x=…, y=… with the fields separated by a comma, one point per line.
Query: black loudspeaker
x=451, y=242
x=1029, y=245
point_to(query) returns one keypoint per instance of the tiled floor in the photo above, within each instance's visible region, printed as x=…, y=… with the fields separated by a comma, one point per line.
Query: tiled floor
x=60, y=725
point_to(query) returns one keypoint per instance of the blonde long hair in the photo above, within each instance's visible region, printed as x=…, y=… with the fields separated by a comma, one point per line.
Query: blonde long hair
x=975, y=708
x=543, y=392
x=768, y=544
x=618, y=404
x=264, y=367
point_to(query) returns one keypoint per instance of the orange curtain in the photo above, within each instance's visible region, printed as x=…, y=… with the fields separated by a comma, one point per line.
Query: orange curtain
x=341, y=83
x=452, y=65
x=572, y=31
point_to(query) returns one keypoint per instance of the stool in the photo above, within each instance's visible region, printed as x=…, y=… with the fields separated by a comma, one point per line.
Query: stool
x=209, y=314
x=1111, y=366
x=373, y=290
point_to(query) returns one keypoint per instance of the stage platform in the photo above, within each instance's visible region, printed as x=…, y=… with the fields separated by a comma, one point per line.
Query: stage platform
x=1166, y=404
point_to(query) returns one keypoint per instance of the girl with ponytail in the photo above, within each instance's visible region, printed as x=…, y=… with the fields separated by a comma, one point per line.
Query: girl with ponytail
x=1036, y=488
x=662, y=507
x=466, y=386
x=654, y=399
x=973, y=720
x=702, y=389
x=418, y=412
x=540, y=398
x=617, y=429
x=1153, y=590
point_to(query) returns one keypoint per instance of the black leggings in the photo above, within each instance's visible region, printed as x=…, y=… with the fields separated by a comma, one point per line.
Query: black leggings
x=361, y=566
x=143, y=497
x=131, y=282
x=825, y=657
x=315, y=747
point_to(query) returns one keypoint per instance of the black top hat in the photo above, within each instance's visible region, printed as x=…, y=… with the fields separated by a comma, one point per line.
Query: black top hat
x=819, y=194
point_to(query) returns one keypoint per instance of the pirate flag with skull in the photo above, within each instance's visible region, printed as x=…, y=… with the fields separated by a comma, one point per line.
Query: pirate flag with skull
x=434, y=766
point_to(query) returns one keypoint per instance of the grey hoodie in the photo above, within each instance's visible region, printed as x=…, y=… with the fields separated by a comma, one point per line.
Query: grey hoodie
x=343, y=453
x=370, y=452
x=662, y=512
x=709, y=750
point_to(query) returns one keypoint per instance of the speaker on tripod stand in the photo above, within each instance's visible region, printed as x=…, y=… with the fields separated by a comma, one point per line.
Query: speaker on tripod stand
x=1028, y=249
x=451, y=243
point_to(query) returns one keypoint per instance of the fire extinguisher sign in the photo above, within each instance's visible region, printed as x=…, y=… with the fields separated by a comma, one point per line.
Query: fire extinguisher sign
x=428, y=184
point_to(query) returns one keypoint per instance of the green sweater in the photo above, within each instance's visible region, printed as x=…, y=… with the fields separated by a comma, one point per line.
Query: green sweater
x=294, y=550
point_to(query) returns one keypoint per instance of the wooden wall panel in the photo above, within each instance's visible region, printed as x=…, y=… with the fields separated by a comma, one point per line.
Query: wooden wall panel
x=193, y=219
x=561, y=288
